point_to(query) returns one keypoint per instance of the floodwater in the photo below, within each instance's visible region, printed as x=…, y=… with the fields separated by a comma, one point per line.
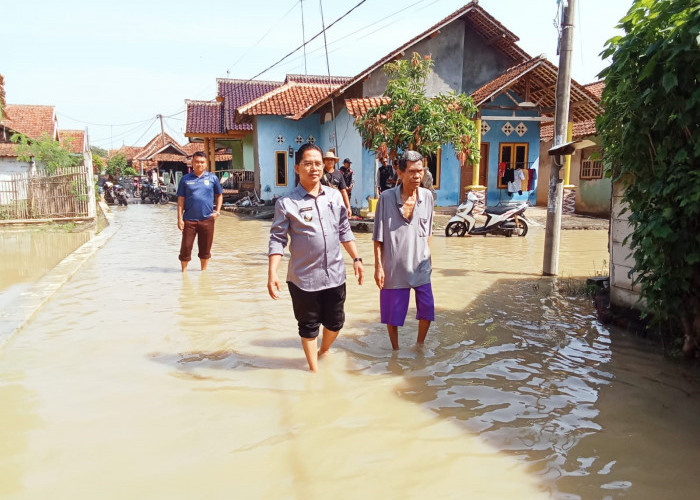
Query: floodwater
x=137, y=382
x=27, y=254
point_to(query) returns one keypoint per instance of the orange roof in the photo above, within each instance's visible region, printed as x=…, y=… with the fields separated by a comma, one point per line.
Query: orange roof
x=596, y=88
x=360, y=106
x=582, y=129
x=291, y=100
x=8, y=149
x=129, y=151
x=31, y=120
x=73, y=140
x=535, y=80
x=160, y=145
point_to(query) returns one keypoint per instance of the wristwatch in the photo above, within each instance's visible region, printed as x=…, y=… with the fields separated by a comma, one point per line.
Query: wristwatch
x=357, y=259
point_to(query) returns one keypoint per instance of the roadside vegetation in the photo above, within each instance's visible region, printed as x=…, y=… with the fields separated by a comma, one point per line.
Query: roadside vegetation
x=652, y=144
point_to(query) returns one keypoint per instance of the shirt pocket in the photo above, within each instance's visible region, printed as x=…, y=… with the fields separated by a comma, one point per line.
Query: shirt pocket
x=423, y=227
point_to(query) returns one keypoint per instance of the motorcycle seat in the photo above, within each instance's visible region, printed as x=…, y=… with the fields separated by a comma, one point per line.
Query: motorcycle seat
x=498, y=210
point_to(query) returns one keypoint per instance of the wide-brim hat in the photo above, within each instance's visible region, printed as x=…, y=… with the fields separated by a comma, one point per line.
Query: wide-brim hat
x=328, y=154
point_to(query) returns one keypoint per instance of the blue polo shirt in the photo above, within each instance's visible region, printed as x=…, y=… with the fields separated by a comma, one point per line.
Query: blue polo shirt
x=199, y=195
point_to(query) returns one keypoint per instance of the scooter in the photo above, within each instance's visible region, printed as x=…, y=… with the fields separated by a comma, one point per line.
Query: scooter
x=507, y=221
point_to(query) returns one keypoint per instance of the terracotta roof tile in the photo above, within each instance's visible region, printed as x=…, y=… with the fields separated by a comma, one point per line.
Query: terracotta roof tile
x=192, y=147
x=204, y=117
x=158, y=147
x=584, y=105
x=237, y=93
x=596, y=88
x=582, y=129
x=360, y=106
x=129, y=151
x=291, y=100
x=31, y=120
x=320, y=79
x=8, y=149
x=73, y=140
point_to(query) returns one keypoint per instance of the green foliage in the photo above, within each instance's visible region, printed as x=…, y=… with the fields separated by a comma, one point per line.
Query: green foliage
x=98, y=164
x=116, y=165
x=48, y=153
x=98, y=151
x=130, y=171
x=651, y=143
x=411, y=120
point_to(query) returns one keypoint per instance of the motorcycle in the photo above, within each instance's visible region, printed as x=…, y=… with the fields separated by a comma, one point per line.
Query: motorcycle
x=507, y=221
x=115, y=194
x=154, y=193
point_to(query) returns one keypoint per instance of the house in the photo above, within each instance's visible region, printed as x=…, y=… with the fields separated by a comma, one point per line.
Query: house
x=34, y=121
x=78, y=143
x=472, y=53
x=212, y=123
x=591, y=190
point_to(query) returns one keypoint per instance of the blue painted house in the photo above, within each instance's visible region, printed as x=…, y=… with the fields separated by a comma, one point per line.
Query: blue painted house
x=473, y=53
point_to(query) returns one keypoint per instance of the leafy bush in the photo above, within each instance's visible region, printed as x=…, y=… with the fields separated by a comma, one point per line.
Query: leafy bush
x=651, y=142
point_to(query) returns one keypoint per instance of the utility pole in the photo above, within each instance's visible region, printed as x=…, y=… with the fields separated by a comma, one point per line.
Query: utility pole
x=162, y=132
x=552, y=235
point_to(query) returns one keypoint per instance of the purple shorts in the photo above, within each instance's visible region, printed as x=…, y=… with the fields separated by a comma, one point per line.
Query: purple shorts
x=393, y=304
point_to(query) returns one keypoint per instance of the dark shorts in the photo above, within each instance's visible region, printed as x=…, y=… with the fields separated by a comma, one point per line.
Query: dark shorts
x=204, y=231
x=323, y=307
x=393, y=304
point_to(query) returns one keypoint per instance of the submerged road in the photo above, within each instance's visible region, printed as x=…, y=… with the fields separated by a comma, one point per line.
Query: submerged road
x=134, y=381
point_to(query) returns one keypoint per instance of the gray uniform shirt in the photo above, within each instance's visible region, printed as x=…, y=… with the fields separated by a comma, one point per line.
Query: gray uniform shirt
x=405, y=251
x=315, y=228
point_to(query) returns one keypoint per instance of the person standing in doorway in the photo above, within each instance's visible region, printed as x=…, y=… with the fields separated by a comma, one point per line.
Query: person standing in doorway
x=384, y=174
x=403, y=225
x=199, y=200
x=334, y=178
x=314, y=220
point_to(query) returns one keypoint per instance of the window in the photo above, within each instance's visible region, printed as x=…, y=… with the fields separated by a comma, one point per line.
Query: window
x=591, y=169
x=432, y=163
x=511, y=155
x=281, y=168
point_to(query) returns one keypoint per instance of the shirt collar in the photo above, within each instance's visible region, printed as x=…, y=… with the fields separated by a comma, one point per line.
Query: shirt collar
x=419, y=196
x=301, y=192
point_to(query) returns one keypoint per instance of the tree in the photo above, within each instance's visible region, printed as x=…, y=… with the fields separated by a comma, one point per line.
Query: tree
x=48, y=153
x=116, y=165
x=2, y=96
x=98, y=151
x=651, y=143
x=408, y=119
x=98, y=164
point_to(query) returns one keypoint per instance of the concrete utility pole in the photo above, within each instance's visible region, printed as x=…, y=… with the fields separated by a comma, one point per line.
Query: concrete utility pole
x=550, y=266
x=162, y=132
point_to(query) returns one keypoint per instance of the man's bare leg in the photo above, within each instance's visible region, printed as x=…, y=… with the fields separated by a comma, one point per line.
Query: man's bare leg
x=327, y=341
x=423, y=325
x=311, y=350
x=183, y=265
x=393, y=336
x=204, y=263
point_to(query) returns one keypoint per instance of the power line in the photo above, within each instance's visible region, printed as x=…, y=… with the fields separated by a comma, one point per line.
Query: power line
x=102, y=124
x=310, y=40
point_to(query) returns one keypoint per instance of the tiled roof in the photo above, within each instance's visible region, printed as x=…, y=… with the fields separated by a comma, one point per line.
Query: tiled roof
x=476, y=18
x=582, y=129
x=129, y=151
x=192, y=147
x=31, y=120
x=596, y=88
x=320, y=79
x=204, y=117
x=291, y=100
x=360, y=106
x=8, y=149
x=158, y=146
x=538, y=76
x=73, y=140
x=237, y=93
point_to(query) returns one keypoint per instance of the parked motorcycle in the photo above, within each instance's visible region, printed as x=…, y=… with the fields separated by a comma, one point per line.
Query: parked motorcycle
x=115, y=194
x=507, y=221
x=154, y=193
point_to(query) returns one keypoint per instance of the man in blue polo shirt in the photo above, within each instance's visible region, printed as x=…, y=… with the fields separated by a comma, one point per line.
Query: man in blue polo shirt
x=196, y=195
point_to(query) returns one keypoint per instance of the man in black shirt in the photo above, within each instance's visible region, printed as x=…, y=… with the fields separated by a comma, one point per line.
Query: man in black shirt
x=384, y=175
x=334, y=178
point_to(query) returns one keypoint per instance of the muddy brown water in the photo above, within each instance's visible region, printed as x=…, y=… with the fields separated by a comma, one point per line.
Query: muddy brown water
x=134, y=381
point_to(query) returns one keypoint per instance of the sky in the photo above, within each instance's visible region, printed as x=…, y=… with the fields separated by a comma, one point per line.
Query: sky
x=112, y=66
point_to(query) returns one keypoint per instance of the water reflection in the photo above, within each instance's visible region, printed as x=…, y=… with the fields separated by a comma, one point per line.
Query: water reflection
x=196, y=385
